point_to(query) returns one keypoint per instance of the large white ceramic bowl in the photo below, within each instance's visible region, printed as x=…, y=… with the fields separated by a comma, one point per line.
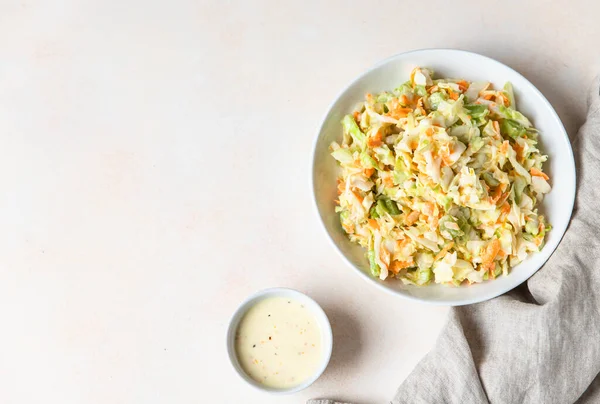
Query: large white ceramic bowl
x=554, y=142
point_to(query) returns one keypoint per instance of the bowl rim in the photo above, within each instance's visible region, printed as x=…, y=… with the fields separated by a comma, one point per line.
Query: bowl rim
x=244, y=306
x=366, y=277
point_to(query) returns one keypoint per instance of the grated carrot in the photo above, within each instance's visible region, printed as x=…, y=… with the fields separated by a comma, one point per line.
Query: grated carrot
x=497, y=193
x=496, y=127
x=491, y=251
x=400, y=113
x=429, y=208
x=463, y=85
x=359, y=197
x=519, y=151
x=375, y=140
x=537, y=173
x=411, y=218
x=396, y=266
x=446, y=248
x=341, y=187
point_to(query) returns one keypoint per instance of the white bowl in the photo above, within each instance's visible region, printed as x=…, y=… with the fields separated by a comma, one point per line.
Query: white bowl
x=554, y=142
x=321, y=317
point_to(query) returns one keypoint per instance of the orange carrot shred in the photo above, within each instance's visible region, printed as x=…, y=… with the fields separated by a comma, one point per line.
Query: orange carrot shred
x=396, y=266
x=491, y=251
x=411, y=218
x=373, y=223
x=537, y=173
x=375, y=140
x=444, y=251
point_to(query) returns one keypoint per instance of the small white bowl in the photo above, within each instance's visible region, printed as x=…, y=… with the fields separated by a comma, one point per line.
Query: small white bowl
x=324, y=325
x=387, y=75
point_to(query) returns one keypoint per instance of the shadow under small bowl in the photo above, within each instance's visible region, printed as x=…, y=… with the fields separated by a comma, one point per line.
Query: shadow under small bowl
x=317, y=311
x=448, y=63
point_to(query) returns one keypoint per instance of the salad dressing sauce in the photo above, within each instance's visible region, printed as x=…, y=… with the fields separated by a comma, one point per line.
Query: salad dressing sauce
x=278, y=343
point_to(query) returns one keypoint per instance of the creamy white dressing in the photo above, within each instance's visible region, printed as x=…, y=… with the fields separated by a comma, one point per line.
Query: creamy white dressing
x=278, y=342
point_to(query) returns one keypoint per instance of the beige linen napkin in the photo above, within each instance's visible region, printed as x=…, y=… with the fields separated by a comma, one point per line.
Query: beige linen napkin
x=539, y=343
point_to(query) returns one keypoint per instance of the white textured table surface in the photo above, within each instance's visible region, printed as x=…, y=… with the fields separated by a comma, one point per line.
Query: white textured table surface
x=155, y=171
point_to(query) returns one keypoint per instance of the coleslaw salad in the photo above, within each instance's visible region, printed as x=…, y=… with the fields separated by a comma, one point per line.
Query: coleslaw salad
x=440, y=181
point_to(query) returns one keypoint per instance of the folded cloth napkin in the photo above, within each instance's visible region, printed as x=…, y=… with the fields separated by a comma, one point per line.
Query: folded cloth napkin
x=541, y=342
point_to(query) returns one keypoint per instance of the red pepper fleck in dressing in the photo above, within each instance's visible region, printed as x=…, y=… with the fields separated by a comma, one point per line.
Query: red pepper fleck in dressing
x=278, y=342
